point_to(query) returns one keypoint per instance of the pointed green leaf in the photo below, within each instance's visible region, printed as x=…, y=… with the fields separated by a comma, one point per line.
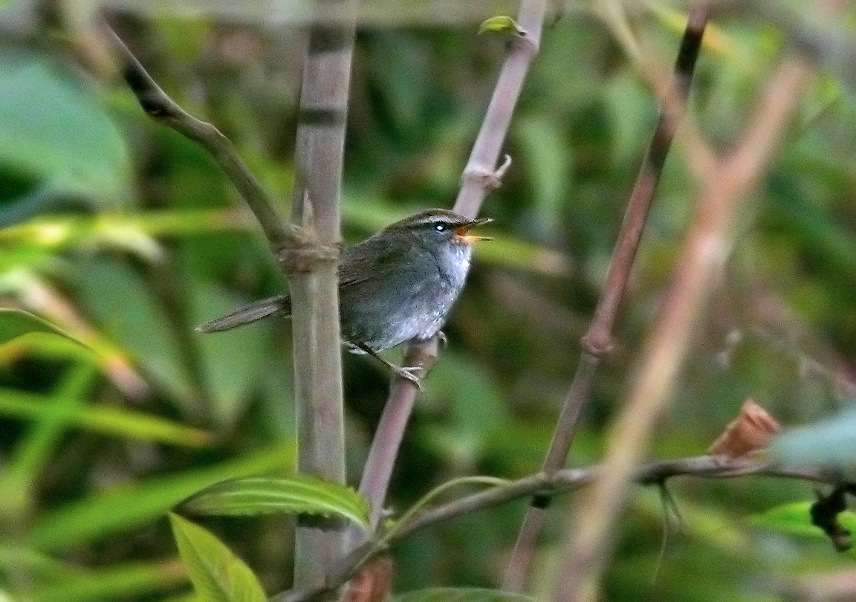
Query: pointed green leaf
x=124, y=508
x=119, y=581
x=795, y=519
x=132, y=316
x=461, y=594
x=16, y=323
x=115, y=421
x=216, y=573
x=297, y=494
x=501, y=24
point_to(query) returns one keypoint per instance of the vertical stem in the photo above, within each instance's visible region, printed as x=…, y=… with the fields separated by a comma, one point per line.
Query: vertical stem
x=314, y=291
x=597, y=341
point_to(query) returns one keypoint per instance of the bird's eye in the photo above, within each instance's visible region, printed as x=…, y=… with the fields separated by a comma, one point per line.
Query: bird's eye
x=440, y=226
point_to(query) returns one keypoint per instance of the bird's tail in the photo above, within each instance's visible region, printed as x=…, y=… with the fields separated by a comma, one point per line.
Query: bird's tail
x=251, y=312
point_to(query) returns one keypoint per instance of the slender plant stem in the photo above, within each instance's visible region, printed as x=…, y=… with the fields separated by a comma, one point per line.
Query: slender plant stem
x=390, y=430
x=704, y=253
x=480, y=175
x=598, y=339
x=556, y=482
x=314, y=291
x=160, y=107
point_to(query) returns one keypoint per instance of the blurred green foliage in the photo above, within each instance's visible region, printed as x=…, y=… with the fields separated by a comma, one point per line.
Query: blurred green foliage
x=124, y=235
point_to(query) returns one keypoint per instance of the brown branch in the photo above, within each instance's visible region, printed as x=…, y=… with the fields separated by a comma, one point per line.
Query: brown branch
x=390, y=430
x=556, y=482
x=598, y=339
x=700, y=267
x=163, y=109
x=480, y=175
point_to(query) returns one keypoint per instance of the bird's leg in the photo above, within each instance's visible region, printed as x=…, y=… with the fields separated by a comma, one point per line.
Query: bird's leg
x=406, y=372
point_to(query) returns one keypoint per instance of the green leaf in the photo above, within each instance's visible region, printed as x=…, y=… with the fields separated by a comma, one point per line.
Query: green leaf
x=795, y=519
x=115, y=582
x=53, y=127
x=16, y=323
x=128, y=310
x=831, y=442
x=233, y=362
x=298, y=494
x=216, y=573
x=124, y=508
x=38, y=446
x=501, y=24
x=461, y=594
x=109, y=420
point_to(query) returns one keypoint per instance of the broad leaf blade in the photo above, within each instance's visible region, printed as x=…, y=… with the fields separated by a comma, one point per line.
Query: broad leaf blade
x=216, y=573
x=42, y=105
x=16, y=323
x=297, y=494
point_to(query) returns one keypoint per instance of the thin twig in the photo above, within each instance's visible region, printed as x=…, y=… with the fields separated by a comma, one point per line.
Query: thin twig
x=704, y=254
x=557, y=482
x=160, y=107
x=480, y=175
x=598, y=339
x=390, y=429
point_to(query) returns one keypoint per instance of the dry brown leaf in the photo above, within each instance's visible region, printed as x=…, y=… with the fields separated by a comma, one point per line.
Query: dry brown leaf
x=372, y=583
x=748, y=433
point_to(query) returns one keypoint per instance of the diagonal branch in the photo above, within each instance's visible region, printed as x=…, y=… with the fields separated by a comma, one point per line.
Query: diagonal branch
x=704, y=253
x=480, y=175
x=597, y=341
x=160, y=107
x=556, y=482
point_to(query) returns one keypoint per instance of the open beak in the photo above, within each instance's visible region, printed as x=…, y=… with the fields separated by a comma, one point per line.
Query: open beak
x=463, y=231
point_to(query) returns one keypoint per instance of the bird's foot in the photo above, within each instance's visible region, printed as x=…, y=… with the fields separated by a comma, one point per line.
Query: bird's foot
x=410, y=373
x=406, y=372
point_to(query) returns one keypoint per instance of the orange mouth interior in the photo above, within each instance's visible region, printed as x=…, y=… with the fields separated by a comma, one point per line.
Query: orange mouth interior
x=464, y=235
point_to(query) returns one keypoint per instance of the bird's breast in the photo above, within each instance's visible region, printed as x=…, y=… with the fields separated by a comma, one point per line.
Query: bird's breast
x=409, y=304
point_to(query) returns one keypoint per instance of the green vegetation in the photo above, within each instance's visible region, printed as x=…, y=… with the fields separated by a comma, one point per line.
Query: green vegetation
x=118, y=236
